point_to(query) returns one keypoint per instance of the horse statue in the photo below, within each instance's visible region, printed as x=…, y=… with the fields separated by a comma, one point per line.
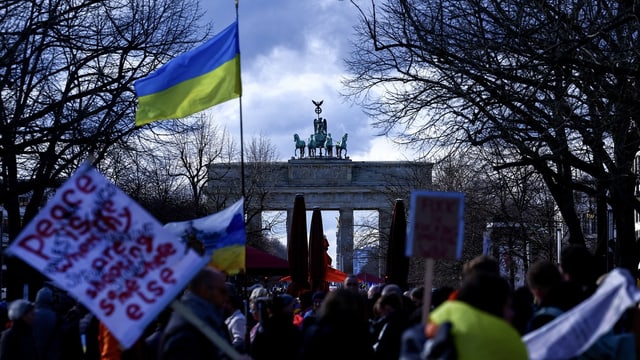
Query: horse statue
x=328, y=145
x=312, y=145
x=300, y=145
x=342, y=145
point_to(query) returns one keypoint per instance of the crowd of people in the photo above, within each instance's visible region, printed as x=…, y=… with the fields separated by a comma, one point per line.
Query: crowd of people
x=482, y=318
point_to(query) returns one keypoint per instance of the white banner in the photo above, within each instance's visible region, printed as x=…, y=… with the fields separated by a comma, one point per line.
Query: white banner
x=98, y=244
x=573, y=332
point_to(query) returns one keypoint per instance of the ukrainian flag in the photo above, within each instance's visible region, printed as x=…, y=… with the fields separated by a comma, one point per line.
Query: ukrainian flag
x=196, y=80
x=220, y=236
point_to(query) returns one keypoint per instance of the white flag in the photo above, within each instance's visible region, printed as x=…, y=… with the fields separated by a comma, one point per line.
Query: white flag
x=573, y=332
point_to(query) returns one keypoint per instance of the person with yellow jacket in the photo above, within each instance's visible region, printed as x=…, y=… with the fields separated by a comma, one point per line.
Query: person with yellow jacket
x=475, y=325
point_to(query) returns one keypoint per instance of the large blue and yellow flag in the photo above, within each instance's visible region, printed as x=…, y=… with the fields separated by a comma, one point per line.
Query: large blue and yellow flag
x=196, y=80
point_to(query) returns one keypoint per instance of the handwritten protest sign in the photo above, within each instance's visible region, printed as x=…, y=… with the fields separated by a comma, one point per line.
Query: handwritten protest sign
x=436, y=224
x=98, y=244
x=436, y=227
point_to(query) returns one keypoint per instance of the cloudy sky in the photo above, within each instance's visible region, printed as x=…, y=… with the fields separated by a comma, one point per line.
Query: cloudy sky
x=292, y=52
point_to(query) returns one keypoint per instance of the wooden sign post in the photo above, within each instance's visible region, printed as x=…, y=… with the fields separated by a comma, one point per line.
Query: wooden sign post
x=436, y=227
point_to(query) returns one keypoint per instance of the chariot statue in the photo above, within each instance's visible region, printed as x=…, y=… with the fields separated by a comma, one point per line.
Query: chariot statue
x=319, y=136
x=320, y=141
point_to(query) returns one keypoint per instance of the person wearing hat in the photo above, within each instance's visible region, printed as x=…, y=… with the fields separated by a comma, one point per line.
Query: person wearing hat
x=17, y=342
x=311, y=314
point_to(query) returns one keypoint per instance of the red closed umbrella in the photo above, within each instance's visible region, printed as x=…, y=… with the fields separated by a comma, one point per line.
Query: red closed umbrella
x=297, y=248
x=317, y=254
x=397, y=261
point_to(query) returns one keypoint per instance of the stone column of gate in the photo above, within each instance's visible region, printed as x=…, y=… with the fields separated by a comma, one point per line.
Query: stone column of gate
x=345, y=239
x=384, y=226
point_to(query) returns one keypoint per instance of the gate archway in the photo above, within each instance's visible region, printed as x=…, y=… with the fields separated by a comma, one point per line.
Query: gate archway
x=330, y=184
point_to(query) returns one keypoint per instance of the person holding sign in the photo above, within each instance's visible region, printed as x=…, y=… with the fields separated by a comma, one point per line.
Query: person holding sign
x=206, y=296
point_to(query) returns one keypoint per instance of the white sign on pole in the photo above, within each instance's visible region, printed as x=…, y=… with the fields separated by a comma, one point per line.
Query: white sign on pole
x=436, y=224
x=98, y=244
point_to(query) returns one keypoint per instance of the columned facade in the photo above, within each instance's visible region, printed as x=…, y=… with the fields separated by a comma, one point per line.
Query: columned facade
x=330, y=184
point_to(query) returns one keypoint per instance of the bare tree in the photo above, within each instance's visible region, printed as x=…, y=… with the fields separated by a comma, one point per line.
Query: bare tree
x=66, y=85
x=260, y=156
x=512, y=207
x=196, y=149
x=514, y=203
x=549, y=86
x=257, y=172
x=146, y=176
x=367, y=240
x=166, y=171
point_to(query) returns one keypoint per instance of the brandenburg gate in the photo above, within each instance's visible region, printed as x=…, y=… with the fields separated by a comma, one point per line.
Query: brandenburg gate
x=330, y=181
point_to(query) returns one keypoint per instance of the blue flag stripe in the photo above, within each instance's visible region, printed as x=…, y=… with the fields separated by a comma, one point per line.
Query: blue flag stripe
x=204, y=59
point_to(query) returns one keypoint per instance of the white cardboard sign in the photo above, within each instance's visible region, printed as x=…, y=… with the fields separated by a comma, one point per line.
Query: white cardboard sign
x=98, y=244
x=436, y=224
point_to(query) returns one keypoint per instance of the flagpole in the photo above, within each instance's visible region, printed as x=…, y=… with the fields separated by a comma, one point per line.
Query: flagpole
x=240, y=103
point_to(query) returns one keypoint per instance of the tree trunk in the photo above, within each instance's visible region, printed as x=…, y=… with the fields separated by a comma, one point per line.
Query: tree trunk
x=623, y=215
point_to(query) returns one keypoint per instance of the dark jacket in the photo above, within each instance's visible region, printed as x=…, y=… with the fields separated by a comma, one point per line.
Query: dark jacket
x=277, y=339
x=388, y=335
x=182, y=341
x=324, y=340
x=46, y=327
x=18, y=343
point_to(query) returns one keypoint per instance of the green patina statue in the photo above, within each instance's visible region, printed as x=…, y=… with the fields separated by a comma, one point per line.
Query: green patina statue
x=320, y=139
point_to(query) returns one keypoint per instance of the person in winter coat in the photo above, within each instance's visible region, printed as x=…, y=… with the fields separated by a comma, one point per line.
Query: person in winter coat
x=278, y=337
x=206, y=296
x=17, y=342
x=236, y=322
x=46, y=325
x=341, y=329
x=389, y=326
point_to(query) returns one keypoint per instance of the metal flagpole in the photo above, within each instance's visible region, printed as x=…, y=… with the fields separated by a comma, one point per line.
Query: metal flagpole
x=240, y=99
